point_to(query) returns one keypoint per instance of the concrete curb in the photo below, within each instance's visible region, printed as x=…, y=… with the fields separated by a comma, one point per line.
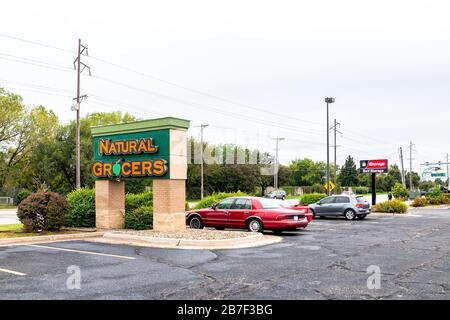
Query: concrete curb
x=148, y=241
x=51, y=238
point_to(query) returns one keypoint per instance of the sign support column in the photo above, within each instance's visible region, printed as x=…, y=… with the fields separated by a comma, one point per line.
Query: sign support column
x=374, y=189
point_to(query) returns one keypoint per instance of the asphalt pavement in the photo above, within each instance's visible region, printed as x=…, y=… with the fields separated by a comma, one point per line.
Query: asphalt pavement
x=328, y=260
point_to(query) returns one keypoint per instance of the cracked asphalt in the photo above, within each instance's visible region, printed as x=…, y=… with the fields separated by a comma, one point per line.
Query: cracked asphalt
x=328, y=260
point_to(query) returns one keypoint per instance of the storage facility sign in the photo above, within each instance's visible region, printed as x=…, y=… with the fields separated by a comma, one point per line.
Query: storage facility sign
x=132, y=155
x=374, y=166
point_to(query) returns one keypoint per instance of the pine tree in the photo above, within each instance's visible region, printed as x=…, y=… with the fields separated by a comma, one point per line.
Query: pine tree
x=348, y=176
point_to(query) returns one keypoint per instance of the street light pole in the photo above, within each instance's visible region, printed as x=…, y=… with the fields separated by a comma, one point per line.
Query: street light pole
x=275, y=173
x=328, y=101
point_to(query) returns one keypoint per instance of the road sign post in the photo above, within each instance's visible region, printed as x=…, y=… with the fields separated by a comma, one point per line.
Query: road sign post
x=374, y=167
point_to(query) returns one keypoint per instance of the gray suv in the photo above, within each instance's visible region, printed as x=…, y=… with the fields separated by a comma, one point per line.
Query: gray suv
x=349, y=206
x=276, y=194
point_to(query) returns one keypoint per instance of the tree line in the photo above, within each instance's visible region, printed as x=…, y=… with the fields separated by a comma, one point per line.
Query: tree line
x=36, y=150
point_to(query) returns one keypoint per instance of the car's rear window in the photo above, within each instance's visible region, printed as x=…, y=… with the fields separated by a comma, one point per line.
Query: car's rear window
x=360, y=199
x=269, y=203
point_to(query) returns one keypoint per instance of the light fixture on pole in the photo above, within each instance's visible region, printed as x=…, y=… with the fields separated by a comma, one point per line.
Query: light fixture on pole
x=328, y=100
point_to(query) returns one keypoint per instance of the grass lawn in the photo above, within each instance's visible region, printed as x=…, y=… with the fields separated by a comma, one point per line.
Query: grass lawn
x=16, y=231
x=7, y=206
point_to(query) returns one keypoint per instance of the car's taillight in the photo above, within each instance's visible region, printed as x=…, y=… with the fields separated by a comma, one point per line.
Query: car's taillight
x=360, y=205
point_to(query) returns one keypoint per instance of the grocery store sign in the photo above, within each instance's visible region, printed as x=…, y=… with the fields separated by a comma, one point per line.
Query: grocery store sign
x=131, y=155
x=374, y=166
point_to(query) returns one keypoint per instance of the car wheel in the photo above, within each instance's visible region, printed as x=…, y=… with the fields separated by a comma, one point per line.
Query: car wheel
x=349, y=214
x=363, y=216
x=283, y=197
x=220, y=228
x=255, y=225
x=314, y=214
x=195, y=223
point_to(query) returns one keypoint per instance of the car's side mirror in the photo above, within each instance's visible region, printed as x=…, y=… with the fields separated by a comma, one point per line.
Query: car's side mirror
x=319, y=203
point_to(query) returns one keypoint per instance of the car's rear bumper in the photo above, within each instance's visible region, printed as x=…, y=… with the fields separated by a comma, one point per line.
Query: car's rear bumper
x=285, y=224
x=364, y=211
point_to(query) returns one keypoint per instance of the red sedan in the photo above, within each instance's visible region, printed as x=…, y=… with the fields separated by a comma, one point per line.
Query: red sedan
x=252, y=213
x=298, y=207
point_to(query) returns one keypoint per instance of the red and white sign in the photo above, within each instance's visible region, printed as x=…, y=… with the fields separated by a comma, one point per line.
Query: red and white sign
x=374, y=166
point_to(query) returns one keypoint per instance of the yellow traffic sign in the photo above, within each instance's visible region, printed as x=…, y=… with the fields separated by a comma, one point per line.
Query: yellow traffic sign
x=329, y=186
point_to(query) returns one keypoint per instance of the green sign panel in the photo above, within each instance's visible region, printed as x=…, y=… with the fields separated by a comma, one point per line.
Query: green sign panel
x=439, y=174
x=132, y=155
x=134, y=150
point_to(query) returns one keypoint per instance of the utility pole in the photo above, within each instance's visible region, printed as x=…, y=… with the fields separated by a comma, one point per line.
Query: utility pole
x=328, y=101
x=335, y=153
x=402, y=167
x=202, y=126
x=77, y=66
x=275, y=167
x=448, y=173
x=411, y=149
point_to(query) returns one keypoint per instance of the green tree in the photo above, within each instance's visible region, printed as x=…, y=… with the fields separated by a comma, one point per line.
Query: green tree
x=306, y=172
x=349, y=174
x=53, y=161
x=415, y=180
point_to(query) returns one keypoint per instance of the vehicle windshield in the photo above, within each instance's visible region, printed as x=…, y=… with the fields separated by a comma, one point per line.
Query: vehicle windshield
x=360, y=199
x=269, y=203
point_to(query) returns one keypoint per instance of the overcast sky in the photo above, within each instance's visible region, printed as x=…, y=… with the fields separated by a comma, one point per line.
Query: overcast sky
x=268, y=64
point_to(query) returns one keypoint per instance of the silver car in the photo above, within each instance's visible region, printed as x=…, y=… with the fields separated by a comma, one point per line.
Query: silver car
x=349, y=206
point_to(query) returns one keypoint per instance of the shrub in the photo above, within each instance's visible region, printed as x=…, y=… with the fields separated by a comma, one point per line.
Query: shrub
x=393, y=206
x=399, y=192
x=437, y=197
x=20, y=196
x=140, y=218
x=312, y=198
x=419, y=202
x=207, y=202
x=362, y=190
x=81, y=208
x=134, y=201
x=43, y=211
x=317, y=188
x=435, y=193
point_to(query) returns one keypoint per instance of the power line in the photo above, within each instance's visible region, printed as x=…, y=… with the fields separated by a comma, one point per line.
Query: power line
x=35, y=43
x=171, y=83
x=203, y=107
x=192, y=104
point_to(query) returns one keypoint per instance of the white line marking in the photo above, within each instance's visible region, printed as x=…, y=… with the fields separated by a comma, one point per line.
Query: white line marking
x=13, y=272
x=84, y=252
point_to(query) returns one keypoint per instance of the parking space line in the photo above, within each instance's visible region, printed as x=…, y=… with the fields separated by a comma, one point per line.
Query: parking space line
x=13, y=272
x=83, y=252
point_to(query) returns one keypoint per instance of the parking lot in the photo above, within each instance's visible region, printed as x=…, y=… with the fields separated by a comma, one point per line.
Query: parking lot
x=328, y=260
